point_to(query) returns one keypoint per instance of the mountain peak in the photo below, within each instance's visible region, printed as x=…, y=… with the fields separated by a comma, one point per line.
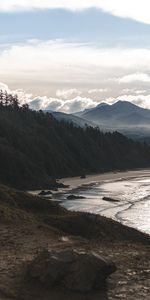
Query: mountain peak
x=124, y=103
x=102, y=104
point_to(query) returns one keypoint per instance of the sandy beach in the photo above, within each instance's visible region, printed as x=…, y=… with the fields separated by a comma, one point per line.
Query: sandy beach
x=75, y=182
x=129, y=188
x=130, y=191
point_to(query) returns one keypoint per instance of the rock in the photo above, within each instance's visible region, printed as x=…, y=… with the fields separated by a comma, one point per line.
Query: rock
x=54, y=184
x=73, y=197
x=83, y=176
x=74, y=270
x=45, y=193
x=110, y=199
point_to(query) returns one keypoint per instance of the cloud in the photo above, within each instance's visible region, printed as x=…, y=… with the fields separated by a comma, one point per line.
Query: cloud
x=23, y=96
x=140, y=92
x=93, y=91
x=135, y=77
x=81, y=73
x=58, y=61
x=135, y=9
x=65, y=94
x=4, y=87
x=75, y=104
x=68, y=106
x=49, y=103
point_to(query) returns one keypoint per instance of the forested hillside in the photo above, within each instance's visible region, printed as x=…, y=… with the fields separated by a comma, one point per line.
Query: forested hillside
x=34, y=147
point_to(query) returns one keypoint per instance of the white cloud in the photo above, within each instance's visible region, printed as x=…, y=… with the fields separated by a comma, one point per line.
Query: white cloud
x=140, y=92
x=133, y=90
x=67, y=93
x=93, y=91
x=49, y=103
x=4, y=87
x=135, y=77
x=57, y=61
x=78, y=103
x=66, y=71
x=68, y=106
x=135, y=9
x=23, y=96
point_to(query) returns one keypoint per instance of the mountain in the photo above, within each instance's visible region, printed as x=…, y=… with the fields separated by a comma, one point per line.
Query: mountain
x=35, y=147
x=76, y=120
x=123, y=116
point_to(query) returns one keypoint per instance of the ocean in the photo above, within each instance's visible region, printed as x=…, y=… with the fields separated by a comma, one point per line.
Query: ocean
x=132, y=193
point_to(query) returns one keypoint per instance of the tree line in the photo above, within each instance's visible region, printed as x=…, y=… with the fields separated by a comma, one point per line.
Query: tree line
x=35, y=147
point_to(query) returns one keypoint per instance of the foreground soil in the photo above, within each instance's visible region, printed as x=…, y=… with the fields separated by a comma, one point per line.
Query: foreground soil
x=30, y=224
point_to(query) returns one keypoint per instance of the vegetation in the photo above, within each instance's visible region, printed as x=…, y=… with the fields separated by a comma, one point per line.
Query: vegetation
x=17, y=207
x=34, y=146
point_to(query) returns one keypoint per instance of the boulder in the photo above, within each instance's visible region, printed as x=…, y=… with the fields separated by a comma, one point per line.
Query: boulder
x=45, y=193
x=73, y=197
x=75, y=270
x=110, y=199
x=54, y=184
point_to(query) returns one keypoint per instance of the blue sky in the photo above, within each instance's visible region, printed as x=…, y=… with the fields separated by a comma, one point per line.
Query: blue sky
x=91, y=25
x=70, y=52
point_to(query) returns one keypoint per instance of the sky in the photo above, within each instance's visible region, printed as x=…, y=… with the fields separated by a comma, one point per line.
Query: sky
x=69, y=55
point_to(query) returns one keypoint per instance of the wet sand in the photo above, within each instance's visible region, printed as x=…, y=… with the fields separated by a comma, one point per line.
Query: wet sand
x=75, y=182
x=131, y=191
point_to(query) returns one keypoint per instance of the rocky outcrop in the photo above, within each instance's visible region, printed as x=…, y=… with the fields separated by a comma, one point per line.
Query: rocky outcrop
x=74, y=270
x=45, y=193
x=54, y=184
x=74, y=197
x=110, y=199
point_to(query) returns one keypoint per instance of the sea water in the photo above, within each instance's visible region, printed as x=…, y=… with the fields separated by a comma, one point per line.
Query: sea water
x=132, y=193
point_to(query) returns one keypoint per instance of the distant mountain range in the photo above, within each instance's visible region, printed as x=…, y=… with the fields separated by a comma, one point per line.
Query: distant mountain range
x=122, y=116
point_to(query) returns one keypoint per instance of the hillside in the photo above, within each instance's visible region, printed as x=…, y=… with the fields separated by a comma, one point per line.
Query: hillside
x=30, y=224
x=34, y=146
x=123, y=116
x=70, y=118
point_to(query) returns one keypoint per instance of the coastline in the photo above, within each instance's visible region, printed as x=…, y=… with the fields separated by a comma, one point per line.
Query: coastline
x=76, y=185
x=125, y=187
x=76, y=182
x=31, y=224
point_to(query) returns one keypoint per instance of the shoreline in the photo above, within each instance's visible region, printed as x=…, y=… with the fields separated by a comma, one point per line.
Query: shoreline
x=76, y=181
x=76, y=184
x=31, y=224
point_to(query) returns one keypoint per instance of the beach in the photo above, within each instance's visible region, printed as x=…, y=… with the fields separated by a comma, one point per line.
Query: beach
x=129, y=192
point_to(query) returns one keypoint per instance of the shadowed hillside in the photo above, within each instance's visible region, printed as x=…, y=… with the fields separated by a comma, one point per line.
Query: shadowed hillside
x=29, y=224
x=34, y=146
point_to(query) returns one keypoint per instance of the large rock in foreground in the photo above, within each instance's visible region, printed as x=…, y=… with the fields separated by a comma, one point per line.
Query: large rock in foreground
x=76, y=271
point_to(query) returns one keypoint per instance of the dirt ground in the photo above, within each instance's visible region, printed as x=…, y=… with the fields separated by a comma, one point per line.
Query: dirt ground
x=21, y=242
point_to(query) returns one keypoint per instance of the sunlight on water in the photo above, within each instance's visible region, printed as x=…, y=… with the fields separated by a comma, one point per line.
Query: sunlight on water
x=133, y=194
